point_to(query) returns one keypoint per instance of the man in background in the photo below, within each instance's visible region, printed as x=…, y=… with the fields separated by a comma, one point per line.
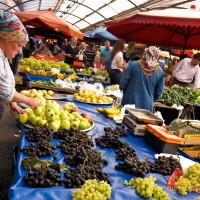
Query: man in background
x=71, y=51
x=105, y=53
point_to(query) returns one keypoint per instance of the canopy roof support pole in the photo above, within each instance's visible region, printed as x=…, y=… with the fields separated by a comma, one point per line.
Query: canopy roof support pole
x=186, y=38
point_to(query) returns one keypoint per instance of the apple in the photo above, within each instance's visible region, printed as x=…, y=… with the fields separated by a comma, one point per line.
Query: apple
x=76, y=114
x=38, y=111
x=34, y=120
x=77, y=120
x=55, y=125
x=83, y=125
x=71, y=118
x=88, y=125
x=49, y=113
x=87, y=116
x=42, y=122
x=64, y=118
x=74, y=124
x=29, y=110
x=23, y=118
x=50, y=92
x=65, y=124
x=84, y=120
x=49, y=104
x=55, y=118
x=75, y=109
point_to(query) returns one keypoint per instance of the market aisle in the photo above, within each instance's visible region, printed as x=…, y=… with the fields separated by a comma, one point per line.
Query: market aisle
x=8, y=130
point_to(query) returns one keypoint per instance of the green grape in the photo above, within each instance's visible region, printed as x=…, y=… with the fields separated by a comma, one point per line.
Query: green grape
x=147, y=188
x=93, y=190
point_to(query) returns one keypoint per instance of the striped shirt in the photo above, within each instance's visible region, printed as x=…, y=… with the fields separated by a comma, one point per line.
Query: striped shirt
x=7, y=81
x=90, y=54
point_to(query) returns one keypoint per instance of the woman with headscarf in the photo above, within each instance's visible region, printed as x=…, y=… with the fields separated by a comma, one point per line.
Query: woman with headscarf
x=143, y=81
x=13, y=37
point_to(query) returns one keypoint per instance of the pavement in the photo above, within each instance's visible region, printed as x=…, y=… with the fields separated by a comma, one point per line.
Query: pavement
x=9, y=136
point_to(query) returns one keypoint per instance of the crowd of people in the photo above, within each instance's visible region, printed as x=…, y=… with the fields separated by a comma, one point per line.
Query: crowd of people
x=142, y=80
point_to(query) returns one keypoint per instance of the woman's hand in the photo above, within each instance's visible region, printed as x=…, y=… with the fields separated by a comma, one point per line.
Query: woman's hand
x=32, y=102
x=15, y=108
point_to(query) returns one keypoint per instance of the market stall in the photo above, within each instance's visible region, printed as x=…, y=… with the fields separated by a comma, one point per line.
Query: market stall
x=19, y=190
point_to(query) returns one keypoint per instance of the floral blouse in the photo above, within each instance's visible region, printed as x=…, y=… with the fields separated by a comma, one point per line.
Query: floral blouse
x=7, y=81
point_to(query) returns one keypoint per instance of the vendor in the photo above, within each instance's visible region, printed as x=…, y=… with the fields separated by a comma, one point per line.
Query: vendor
x=71, y=51
x=186, y=72
x=13, y=37
x=143, y=81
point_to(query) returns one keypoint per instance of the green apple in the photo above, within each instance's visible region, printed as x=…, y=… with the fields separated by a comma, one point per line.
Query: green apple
x=49, y=113
x=87, y=116
x=38, y=111
x=83, y=126
x=64, y=118
x=55, y=125
x=55, y=118
x=65, y=124
x=76, y=114
x=88, y=125
x=34, y=120
x=42, y=122
x=84, y=120
x=74, y=124
x=71, y=117
x=29, y=110
x=56, y=109
x=49, y=104
x=23, y=118
x=63, y=113
x=78, y=120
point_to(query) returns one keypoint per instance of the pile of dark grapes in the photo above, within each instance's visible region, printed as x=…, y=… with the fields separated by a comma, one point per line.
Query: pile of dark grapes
x=77, y=177
x=42, y=148
x=131, y=165
x=165, y=165
x=73, y=141
x=45, y=177
x=117, y=131
x=90, y=157
x=62, y=133
x=39, y=133
x=125, y=151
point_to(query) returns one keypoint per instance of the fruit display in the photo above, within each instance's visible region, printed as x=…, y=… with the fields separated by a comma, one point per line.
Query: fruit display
x=111, y=87
x=190, y=181
x=147, y=188
x=51, y=114
x=33, y=63
x=59, y=75
x=178, y=95
x=44, y=177
x=47, y=83
x=89, y=96
x=38, y=93
x=93, y=189
x=111, y=111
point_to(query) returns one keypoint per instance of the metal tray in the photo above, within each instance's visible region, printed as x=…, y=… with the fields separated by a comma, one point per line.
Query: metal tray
x=143, y=116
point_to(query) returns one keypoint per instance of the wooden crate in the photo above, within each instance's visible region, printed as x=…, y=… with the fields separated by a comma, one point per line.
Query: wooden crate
x=193, y=154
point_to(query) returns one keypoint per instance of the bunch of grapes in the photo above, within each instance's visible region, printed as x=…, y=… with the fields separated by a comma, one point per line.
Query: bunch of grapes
x=42, y=148
x=165, y=165
x=125, y=151
x=71, y=142
x=39, y=133
x=45, y=177
x=93, y=189
x=77, y=177
x=147, y=188
x=90, y=157
x=117, y=131
x=190, y=181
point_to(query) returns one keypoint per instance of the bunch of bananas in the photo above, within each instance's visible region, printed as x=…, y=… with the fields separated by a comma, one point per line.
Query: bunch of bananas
x=111, y=111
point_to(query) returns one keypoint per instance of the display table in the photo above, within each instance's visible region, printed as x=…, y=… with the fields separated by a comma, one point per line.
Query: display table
x=19, y=190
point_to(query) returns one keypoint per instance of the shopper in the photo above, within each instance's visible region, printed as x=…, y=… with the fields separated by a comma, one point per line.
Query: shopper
x=105, y=53
x=143, y=81
x=13, y=37
x=118, y=64
x=90, y=54
x=71, y=51
x=186, y=71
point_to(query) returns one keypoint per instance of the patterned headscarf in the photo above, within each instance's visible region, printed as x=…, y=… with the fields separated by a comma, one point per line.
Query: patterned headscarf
x=149, y=62
x=11, y=28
